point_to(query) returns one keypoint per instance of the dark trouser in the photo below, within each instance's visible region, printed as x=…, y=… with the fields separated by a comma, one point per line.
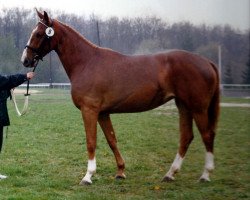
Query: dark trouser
x=1, y=137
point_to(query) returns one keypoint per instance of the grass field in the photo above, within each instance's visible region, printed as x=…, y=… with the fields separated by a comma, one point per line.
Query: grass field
x=45, y=155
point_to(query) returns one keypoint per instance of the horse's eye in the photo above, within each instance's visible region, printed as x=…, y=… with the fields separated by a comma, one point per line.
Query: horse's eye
x=38, y=35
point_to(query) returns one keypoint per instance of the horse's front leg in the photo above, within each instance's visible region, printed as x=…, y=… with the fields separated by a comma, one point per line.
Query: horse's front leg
x=107, y=128
x=90, y=122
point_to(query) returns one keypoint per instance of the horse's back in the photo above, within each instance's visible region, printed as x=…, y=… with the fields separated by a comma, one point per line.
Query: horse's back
x=124, y=83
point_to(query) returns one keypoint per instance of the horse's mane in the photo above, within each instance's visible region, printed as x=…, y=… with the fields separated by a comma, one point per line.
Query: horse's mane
x=78, y=34
x=84, y=39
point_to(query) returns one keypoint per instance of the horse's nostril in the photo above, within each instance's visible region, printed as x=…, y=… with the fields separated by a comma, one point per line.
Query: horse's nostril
x=26, y=62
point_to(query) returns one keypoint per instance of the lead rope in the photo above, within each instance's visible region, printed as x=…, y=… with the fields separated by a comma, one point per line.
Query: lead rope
x=26, y=101
x=25, y=106
x=49, y=33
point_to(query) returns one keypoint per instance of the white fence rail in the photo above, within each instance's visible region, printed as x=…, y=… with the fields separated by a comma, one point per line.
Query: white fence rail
x=235, y=90
x=47, y=85
x=231, y=90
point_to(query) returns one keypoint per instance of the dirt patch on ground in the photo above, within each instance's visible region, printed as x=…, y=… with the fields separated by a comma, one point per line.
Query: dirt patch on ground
x=23, y=91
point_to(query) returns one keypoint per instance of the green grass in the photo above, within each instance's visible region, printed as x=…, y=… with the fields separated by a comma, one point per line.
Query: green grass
x=45, y=155
x=235, y=100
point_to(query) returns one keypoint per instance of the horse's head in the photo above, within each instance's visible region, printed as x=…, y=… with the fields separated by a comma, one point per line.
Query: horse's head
x=40, y=42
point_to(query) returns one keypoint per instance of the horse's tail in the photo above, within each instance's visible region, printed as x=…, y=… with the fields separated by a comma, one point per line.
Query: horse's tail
x=214, y=107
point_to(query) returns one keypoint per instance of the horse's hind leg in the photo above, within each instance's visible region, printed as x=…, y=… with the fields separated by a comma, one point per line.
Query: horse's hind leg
x=207, y=134
x=106, y=125
x=186, y=137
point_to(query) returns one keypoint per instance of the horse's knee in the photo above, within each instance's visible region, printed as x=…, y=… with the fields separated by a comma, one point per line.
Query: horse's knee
x=185, y=141
x=208, y=140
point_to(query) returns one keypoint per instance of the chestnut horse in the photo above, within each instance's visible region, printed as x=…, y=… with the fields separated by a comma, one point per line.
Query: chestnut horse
x=104, y=82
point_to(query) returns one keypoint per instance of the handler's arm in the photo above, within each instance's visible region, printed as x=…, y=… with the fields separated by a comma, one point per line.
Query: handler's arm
x=9, y=82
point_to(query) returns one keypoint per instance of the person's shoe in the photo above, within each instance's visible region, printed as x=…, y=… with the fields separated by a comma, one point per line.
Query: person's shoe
x=2, y=177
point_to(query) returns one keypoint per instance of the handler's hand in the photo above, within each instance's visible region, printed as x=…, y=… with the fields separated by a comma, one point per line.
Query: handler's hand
x=30, y=75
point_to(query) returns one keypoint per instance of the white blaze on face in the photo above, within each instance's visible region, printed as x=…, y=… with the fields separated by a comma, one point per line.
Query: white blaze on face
x=24, y=55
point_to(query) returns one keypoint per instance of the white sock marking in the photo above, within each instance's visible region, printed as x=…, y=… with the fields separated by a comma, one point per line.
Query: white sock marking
x=175, y=167
x=90, y=171
x=209, y=161
x=209, y=166
x=3, y=176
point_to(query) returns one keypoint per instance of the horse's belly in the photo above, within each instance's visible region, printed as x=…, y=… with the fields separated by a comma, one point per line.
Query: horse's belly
x=131, y=108
x=138, y=104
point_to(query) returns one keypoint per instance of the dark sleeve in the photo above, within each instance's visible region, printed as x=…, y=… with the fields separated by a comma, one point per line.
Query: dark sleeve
x=9, y=82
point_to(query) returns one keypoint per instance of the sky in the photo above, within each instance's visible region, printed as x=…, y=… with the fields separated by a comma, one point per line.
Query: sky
x=235, y=13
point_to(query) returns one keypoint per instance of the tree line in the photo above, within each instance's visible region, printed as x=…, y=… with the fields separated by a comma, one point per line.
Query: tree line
x=129, y=36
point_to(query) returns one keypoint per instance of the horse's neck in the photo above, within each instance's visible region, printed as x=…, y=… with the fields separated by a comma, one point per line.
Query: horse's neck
x=73, y=50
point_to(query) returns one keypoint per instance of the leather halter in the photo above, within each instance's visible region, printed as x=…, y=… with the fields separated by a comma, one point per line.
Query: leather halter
x=49, y=32
x=46, y=39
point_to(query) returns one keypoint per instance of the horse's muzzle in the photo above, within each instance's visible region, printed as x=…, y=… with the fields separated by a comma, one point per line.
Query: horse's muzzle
x=30, y=63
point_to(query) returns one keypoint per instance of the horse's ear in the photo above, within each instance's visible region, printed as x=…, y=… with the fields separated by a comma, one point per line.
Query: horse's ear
x=39, y=14
x=46, y=17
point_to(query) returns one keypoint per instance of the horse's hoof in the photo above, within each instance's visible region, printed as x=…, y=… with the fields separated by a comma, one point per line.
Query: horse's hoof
x=167, y=179
x=204, y=180
x=120, y=177
x=2, y=177
x=83, y=182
